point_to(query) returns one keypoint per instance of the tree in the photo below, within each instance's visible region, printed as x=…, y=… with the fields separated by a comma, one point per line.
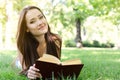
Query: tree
x=81, y=11
x=7, y=11
x=109, y=10
x=2, y=23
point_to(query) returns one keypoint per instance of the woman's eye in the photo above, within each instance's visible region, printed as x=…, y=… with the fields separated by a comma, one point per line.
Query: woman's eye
x=31, y=22
x=40, y=17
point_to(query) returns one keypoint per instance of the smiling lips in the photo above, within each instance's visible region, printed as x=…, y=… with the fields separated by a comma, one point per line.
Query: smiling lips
x=41, y=26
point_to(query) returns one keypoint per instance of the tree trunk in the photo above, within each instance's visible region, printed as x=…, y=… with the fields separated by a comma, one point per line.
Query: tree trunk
x=78, y=38
x=1, y=42
x=8, y=28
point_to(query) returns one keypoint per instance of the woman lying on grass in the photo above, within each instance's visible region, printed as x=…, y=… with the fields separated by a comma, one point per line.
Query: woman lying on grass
x=34, y=39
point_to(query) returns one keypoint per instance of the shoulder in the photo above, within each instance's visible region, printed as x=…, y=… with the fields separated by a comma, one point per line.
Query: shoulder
x=56, y=37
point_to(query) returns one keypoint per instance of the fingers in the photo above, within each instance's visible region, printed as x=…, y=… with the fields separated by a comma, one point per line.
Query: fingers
x=33, y=73
x=33, y=68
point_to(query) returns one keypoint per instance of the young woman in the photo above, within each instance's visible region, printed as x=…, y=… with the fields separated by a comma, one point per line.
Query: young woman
x=34, y=39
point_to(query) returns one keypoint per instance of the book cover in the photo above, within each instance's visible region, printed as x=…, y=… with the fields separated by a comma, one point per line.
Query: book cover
x=50, y=66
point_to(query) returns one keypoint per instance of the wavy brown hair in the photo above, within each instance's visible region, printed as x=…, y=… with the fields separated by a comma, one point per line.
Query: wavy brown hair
x=27, y=44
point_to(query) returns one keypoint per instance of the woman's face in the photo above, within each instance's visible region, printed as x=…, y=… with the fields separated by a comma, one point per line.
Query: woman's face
x=36, y=22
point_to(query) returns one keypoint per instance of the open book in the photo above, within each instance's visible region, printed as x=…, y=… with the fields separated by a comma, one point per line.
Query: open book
x=51, y=66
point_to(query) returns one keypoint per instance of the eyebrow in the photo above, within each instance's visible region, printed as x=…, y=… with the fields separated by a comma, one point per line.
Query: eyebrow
x=37, y=16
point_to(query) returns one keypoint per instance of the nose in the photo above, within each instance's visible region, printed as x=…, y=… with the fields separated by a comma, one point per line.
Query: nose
x=39, y=22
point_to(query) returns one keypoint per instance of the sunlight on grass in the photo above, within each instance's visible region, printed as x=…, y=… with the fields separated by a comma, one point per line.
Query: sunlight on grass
x=99, y=64
x=117, y=60
x=64, y=57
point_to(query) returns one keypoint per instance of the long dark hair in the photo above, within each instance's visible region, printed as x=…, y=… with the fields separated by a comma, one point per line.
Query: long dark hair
x=27, y=44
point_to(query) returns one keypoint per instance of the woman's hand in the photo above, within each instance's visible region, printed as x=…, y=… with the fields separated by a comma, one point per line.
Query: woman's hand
x=33, y=73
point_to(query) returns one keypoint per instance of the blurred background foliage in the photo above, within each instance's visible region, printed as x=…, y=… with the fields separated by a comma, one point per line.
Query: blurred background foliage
x=92, y=23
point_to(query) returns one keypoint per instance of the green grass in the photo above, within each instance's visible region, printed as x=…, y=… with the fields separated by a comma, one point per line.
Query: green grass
x=99, y=64
x=7, y=71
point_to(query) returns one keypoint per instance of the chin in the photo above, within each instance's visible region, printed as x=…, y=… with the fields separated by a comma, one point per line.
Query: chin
x=44, y=31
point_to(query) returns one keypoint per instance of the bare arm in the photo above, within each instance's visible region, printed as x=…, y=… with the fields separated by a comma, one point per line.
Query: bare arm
x=20, y=57
x=32, y=72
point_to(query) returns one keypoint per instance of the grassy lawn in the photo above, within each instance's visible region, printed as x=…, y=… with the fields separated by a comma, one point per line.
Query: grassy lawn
x=99, y=64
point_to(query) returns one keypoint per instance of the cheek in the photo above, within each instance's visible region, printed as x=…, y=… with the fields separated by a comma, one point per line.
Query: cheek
x=32, y=30
x=47, y=27
x=31, y=27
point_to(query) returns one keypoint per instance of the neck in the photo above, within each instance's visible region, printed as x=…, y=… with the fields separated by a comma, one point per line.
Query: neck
x=41, y=49
x=40, y=39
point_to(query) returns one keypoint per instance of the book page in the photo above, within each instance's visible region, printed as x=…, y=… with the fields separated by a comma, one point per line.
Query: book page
x=49, y=58
x=71, y=62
